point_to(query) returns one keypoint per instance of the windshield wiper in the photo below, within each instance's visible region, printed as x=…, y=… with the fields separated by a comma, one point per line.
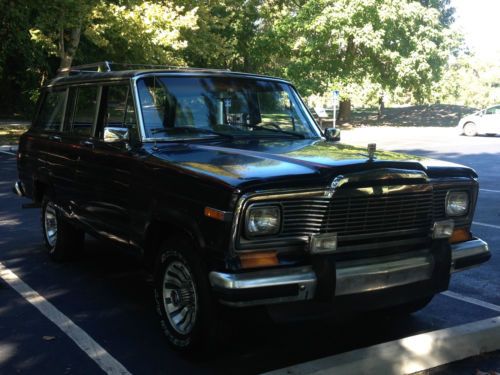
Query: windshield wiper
x=260, y=127
x=189, y=130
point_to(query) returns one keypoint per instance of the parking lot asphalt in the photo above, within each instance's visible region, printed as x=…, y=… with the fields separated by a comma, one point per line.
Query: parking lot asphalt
x=108, y=295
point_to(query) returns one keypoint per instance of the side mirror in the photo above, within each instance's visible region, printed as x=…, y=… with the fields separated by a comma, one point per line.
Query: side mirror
x=332, y=134
x=115, y=134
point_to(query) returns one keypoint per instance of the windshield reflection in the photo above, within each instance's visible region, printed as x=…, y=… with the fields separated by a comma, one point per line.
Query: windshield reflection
x=206, y=107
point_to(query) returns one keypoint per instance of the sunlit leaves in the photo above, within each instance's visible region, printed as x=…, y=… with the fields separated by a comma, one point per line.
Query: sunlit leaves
x=397, y=44
x=147, y=32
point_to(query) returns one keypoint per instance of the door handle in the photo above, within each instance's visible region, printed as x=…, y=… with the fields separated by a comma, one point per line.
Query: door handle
x=55, y=138
x=88, y=144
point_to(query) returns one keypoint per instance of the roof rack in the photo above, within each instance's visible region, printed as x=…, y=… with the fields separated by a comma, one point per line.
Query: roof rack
x=108, y=66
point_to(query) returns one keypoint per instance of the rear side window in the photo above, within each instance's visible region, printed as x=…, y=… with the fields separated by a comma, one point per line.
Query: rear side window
x=85, y=109
x=120, y=109
x=493, y=110
x=51, y=112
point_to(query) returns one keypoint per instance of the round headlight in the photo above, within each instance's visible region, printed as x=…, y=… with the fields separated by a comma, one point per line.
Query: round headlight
x=262, y=220
x=457, y=203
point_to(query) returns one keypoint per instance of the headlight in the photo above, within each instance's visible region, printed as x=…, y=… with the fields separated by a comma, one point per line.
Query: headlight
x=457, y=203
x=262, y=220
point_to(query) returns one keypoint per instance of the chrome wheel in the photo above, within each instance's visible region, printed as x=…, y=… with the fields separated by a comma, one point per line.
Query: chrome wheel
x=50, y=224
x=179, y=297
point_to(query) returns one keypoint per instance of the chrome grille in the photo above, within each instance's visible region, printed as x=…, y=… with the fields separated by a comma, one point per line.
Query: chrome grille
x=374, y=214
x=439, y=204
x=355, y=215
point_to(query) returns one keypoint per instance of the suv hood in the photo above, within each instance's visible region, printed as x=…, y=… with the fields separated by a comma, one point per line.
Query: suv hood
x=267, y=163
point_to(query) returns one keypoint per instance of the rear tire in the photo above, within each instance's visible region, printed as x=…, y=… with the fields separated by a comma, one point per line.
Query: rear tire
x=188, y=313
x=470, y=129
x=62, y=240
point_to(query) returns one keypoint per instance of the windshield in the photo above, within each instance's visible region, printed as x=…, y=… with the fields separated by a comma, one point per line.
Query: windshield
x=200, y=107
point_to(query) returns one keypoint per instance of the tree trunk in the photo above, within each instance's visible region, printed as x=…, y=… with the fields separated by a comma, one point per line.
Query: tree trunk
x=381, y=107
x=68, y=44
x=344, y=110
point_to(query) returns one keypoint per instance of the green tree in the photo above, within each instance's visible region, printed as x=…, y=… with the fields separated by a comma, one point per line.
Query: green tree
x=58, y=26
x=144, y=32
x=470, y=81
x=23, y=66
x=338, y=43
x=129, y=31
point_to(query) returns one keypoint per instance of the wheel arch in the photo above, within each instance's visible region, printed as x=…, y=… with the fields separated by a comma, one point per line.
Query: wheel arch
x=41, y=188
x=162, y=227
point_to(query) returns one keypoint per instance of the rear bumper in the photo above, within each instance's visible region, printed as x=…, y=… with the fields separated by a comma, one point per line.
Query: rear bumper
x=266, y=287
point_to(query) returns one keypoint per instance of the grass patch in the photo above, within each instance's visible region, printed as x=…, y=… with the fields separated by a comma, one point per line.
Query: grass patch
x=9, y=134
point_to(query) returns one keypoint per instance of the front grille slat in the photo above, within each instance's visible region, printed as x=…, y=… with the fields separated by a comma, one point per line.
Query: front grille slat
x=354, y=215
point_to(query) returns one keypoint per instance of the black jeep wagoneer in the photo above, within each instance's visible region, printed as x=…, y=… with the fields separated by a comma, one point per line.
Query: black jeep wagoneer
x=233, y=196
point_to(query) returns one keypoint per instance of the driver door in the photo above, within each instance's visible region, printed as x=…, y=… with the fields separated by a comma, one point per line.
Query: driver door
x=111, y=165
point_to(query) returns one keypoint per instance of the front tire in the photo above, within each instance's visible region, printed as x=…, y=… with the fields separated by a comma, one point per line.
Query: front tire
x=62, y=240
x=184, y=303
x=470, y=129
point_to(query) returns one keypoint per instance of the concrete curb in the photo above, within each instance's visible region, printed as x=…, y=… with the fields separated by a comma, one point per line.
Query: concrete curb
x=410, y=354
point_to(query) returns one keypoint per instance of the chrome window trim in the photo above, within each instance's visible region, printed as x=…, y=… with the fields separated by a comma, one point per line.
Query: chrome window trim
x=98, y=110
x=138, y=108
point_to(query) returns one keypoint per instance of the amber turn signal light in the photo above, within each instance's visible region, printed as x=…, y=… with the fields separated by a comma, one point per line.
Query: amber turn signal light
x=259, y=259
x=214, y=214
x=460, y=235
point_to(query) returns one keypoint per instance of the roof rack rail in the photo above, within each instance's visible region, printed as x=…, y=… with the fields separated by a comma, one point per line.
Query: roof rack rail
x=101, y=66
x=108, y=66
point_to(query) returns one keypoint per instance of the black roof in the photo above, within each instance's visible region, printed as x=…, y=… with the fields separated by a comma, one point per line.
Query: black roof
x=84, y=76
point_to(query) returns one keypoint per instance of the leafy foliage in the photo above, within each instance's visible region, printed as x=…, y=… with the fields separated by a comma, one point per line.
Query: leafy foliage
x=338, y=43
x=470, y=81
x=146, y=32
x=362, y=47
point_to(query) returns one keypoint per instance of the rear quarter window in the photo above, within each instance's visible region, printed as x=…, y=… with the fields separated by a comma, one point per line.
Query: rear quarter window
x=51, y=112
x=85, y=110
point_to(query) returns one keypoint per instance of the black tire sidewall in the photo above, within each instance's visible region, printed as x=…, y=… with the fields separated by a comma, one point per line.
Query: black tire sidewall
x=203, y=333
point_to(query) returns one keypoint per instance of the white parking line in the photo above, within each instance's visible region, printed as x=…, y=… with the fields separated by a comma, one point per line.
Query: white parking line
x=486, y=225
x=490, y=191
x=96, y=352
x=471, y=300
x=7, y=152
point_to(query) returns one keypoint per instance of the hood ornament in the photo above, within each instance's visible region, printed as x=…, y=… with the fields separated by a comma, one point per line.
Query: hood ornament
x=372, y=147
x=336, y=183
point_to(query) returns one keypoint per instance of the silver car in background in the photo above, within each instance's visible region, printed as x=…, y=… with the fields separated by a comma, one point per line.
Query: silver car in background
x=485, y=121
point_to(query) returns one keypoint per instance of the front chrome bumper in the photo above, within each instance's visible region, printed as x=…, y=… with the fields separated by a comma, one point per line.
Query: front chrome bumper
x=469, y=254
x=265, y=287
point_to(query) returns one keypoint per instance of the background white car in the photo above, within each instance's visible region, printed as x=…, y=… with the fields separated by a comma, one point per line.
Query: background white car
x=485, y=121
